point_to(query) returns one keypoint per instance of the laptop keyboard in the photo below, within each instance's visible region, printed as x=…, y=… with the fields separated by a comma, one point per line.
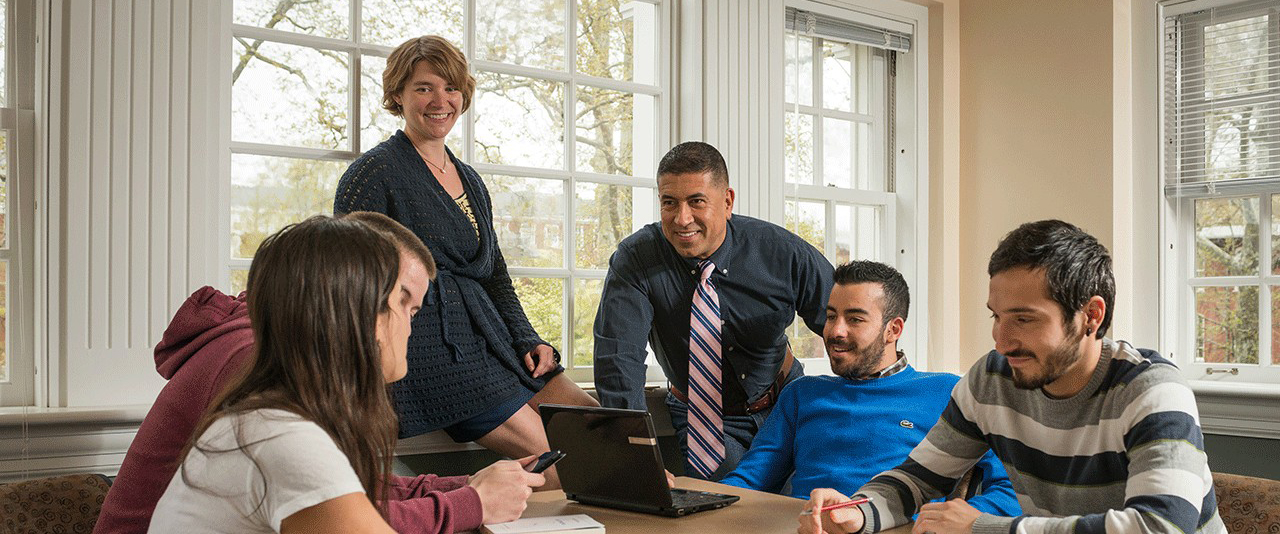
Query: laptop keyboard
x=682, y=498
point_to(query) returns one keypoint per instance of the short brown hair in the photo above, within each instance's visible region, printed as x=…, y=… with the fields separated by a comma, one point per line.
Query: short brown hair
x=404, y=239
x=440, y=54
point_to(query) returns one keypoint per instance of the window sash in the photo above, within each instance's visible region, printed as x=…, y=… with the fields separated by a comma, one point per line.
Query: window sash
x=18, y=120
x=1184, y=324
x=879, y=83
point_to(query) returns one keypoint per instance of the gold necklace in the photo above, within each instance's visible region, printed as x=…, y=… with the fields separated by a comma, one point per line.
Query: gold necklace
x=424, y=158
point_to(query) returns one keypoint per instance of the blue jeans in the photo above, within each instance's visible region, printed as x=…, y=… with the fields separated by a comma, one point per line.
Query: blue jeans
x=739, y=430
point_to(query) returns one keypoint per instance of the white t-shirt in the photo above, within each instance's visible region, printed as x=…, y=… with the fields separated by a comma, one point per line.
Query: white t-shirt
x=300, y=463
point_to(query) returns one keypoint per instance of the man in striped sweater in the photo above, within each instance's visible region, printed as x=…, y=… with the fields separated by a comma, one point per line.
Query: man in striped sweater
x=1096, y=435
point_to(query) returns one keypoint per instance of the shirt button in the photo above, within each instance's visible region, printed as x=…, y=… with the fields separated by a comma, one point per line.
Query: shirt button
x=693, y=271
x=724, y=271
x=744, y=377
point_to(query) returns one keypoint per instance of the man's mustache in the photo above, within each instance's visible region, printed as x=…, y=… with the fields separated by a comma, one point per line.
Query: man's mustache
x=1020, y=353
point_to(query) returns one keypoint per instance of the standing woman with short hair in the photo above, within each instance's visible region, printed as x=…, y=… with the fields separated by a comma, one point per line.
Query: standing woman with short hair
x=477, y=368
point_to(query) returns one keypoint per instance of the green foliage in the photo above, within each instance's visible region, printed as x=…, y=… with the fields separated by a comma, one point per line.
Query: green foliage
x=543, y=299
x=586, y=298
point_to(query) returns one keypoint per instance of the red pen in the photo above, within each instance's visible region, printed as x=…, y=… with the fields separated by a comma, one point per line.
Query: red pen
x=845, y=504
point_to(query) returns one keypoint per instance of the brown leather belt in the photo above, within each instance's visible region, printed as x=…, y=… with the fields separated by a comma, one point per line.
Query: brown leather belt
x=761, y=404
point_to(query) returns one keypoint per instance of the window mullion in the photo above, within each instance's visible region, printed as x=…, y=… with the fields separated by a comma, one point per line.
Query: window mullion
x=302, y=39
x=355, y=62
x=1186, y=292
x=469, y=47
x=571, y=164
x=1265, y=289
x=570, y=240
x=287, y=151
x=829, y=237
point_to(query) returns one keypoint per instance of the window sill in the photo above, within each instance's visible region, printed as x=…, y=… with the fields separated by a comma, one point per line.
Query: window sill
x=1238, y=409
x=16, y=417
x=1242, y=390
x=36, y=442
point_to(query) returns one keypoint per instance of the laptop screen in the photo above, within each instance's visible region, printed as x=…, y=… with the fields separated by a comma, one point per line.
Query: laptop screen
x=609, y=453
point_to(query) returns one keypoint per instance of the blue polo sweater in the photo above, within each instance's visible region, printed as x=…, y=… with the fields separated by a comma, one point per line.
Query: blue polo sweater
x=833, y=432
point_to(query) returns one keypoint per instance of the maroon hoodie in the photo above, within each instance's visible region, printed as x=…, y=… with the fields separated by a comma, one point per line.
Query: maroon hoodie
x=206, y=344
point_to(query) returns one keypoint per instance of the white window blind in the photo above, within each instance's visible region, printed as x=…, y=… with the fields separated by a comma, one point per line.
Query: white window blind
x=801, y=21
x=1222, y=99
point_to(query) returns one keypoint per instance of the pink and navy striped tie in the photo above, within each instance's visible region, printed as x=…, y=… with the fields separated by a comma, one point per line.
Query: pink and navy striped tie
x=706, y=428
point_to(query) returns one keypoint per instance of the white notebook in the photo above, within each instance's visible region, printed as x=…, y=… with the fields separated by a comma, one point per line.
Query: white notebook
x=556, y=524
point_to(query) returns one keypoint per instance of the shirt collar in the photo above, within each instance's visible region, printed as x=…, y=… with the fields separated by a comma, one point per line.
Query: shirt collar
x=723, y=255
x=894, y=368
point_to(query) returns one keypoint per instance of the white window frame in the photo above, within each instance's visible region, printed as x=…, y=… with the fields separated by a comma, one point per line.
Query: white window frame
x=1177, y=233
x=569, y=273
x=18, y=120
x=904, y=202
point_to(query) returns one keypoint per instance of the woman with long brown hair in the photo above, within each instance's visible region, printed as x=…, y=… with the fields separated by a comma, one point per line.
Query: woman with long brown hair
x=303, y=441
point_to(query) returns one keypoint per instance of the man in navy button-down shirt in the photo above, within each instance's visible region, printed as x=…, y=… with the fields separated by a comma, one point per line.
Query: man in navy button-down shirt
x=764, y=276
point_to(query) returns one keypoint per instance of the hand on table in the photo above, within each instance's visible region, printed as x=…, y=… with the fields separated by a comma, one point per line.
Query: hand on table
x=504, y=487
x=955, y=515
x=540, y=360
x=838, y=521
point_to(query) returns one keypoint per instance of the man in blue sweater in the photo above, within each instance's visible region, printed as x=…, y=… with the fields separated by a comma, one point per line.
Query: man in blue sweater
x=839, y=431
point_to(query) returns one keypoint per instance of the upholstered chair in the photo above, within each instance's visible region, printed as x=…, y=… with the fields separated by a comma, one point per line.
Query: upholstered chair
x=1248, y=504
x=68, y=503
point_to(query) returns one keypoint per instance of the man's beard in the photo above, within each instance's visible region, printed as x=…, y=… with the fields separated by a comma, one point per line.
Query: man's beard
x=865, y=360
x=1052, y=367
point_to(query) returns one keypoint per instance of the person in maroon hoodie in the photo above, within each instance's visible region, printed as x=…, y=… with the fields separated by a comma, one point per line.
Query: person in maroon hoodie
x=206, y=344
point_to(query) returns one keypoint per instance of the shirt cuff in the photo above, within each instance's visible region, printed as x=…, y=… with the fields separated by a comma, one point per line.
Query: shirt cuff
x=468, y=513
x=992, y=524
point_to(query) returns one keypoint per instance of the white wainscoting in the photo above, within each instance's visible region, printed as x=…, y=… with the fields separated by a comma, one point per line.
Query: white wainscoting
x=62, y=441
x=1245, y=410
x=135, y=156
x=49, y=442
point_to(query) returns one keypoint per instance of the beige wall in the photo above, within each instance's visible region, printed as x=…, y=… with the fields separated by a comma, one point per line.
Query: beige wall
x=944, y=184
x=1021, y=129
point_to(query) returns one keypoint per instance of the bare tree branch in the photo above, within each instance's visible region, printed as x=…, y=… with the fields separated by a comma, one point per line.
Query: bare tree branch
x=251, y=51
x=281, y=66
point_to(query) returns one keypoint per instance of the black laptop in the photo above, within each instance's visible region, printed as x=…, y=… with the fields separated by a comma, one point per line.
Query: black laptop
x=612, y=460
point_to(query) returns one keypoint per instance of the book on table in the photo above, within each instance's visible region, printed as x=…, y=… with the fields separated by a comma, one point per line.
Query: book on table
x=558, y=524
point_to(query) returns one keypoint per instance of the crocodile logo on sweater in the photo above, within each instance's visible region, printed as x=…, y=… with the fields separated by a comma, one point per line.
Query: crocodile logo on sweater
x=906, y=424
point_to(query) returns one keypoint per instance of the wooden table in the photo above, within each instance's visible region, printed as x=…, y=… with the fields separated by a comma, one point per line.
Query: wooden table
x=756, y=512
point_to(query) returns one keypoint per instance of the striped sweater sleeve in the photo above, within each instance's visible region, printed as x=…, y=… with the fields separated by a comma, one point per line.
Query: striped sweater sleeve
x=1062, y=460
x=1169, y=486
x=932, y=469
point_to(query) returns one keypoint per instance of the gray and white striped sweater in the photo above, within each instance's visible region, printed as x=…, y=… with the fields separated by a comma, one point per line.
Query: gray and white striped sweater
x=1124, y=455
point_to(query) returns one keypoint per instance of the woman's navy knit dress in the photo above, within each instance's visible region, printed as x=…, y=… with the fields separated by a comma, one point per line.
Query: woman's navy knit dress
x=468, y=341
